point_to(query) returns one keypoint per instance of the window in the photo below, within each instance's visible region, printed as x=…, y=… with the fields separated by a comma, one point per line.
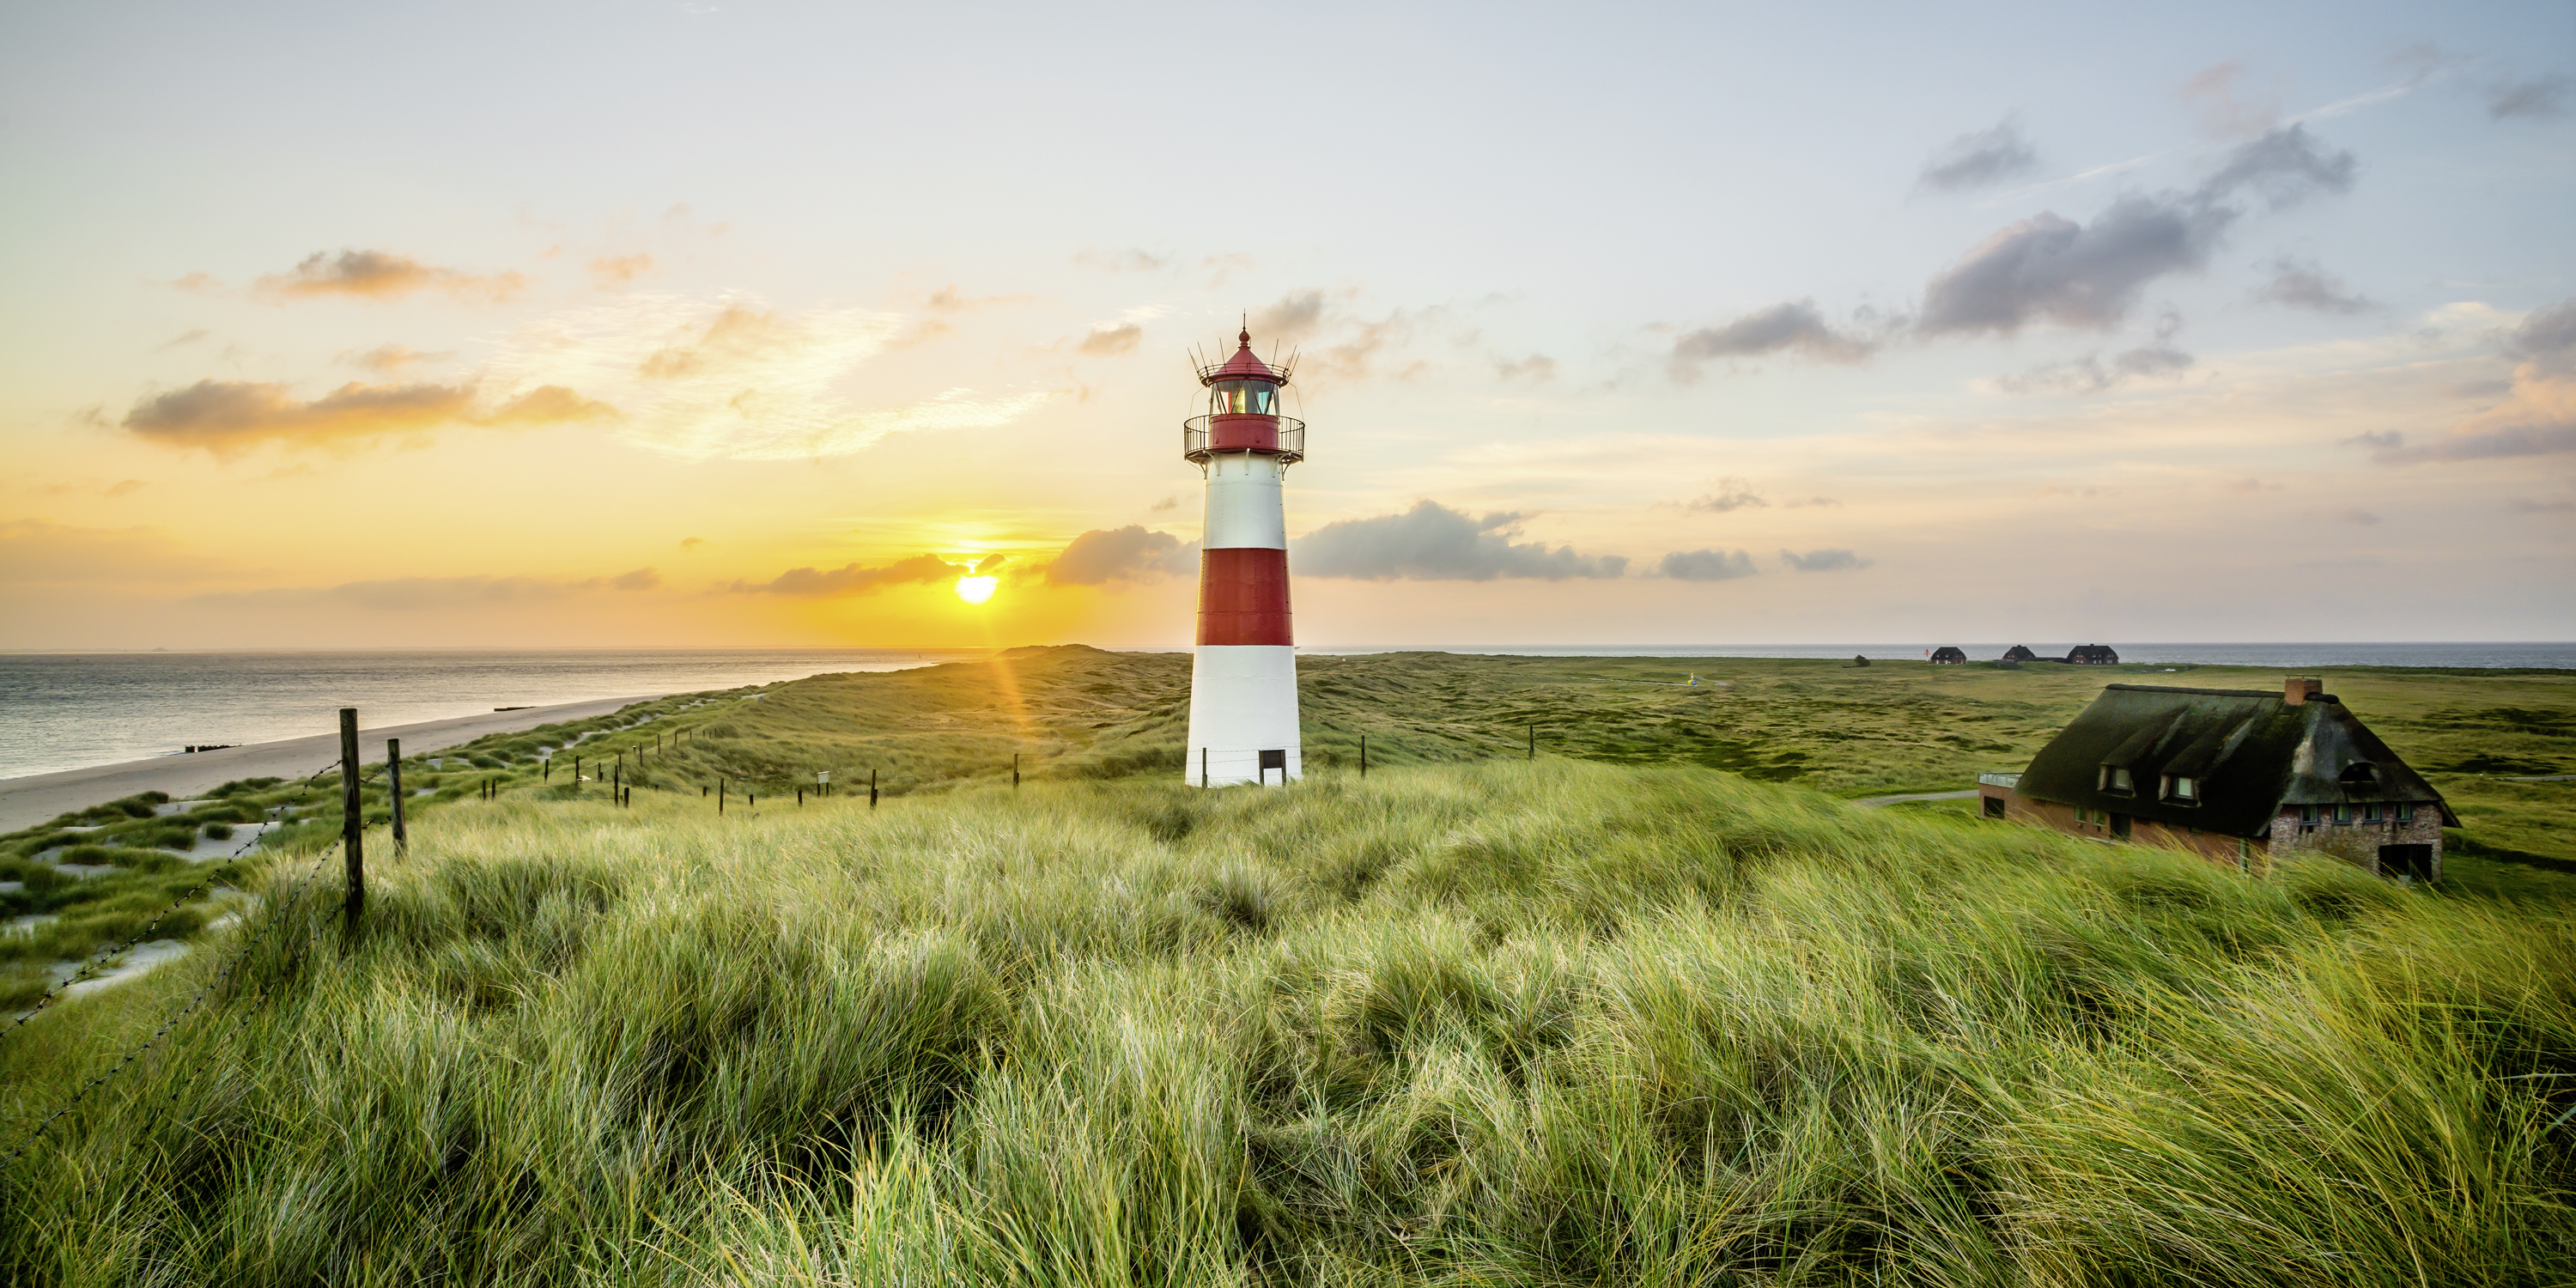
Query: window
x=2183, y=788
x=2307, y=818
x=2370, y=813
x=2343, y=815
x=2405, y=811
x=1256, y=396
x=2115, y=778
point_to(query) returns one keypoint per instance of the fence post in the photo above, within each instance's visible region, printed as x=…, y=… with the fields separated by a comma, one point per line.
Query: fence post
x=1533, y=742
x=353, y=818
x=1015, y=771
x=1363, y=755
x=393, y=786
x=872, y=789
x=617, y=784
x=1203, y=774
x=800, y=798
x=546, y=768
x=720, y=793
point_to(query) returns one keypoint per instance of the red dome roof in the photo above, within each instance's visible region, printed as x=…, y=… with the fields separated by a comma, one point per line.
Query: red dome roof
x=1244, y=366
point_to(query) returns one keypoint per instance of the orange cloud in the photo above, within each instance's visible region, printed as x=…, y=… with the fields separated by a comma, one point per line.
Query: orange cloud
x=851, y=579
x=617, y=270
x=230, y=415
x=378, y=275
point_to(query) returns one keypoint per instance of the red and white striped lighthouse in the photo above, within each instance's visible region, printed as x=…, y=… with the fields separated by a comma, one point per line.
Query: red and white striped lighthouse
x=1243, y=680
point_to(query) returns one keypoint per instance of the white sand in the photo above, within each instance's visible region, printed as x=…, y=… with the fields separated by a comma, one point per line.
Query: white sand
x=25, y=802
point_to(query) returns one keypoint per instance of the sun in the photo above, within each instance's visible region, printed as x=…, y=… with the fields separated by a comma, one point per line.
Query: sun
x=976, y=590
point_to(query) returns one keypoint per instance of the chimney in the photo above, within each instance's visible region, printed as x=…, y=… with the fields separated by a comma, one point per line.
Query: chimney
x=2296, y=690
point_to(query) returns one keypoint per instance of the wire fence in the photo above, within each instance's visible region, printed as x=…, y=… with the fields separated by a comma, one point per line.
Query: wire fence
x=278, y=917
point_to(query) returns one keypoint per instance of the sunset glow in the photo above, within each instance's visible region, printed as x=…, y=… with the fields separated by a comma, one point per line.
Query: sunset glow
x=2224, y=331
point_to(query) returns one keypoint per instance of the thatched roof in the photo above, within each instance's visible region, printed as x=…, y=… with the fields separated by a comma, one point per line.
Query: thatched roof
x=2251, y=752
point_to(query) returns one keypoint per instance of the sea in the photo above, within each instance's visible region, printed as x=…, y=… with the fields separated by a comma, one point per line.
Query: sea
x=74, y=710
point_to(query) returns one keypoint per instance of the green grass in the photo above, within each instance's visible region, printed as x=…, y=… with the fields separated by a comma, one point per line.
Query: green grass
x=1560, y=1023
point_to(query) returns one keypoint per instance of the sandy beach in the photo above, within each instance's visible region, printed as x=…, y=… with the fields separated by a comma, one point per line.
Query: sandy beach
x=25, y=802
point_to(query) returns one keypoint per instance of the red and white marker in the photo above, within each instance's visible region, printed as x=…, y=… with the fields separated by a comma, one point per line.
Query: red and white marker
x=1243, y=680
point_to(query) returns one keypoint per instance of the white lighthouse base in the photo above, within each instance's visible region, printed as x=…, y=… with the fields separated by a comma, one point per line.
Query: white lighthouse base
x=1243, y=702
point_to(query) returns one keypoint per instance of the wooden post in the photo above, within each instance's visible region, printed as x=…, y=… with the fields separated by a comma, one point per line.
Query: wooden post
x=872, y=789
x=1015, y=771
x=617, y=783
x=1203, y=774
x=353, y=819
x=800, y=798
x=720, y=791
x=393, y=785
x=548, y=768
x=1363, y=755
x=1533, y=742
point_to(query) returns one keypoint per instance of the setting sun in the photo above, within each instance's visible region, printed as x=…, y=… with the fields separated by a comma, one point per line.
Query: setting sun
x=976, y=590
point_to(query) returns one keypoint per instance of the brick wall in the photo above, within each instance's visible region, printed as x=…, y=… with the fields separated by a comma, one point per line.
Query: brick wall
x=2357, y=842
x=2216, y=847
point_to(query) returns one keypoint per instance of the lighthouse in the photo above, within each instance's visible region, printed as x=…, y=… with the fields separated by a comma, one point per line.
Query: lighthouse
x=1243, y=678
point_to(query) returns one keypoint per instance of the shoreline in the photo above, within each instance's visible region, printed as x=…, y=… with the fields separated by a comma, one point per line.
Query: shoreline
x=35, y=798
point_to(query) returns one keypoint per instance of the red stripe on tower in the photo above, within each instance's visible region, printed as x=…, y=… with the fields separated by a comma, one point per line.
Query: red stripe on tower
x=1243, y=596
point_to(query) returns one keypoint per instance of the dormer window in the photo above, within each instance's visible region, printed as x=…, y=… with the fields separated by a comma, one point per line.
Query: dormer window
x=2183, y=788
x=2116, y=778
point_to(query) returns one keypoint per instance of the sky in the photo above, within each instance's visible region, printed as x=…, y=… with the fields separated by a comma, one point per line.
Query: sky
x=716, y=324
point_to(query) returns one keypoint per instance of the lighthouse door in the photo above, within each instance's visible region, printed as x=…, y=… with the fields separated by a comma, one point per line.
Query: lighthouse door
x=1274, y=759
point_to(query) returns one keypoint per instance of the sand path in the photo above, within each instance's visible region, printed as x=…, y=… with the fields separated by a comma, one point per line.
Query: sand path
x=25, y=802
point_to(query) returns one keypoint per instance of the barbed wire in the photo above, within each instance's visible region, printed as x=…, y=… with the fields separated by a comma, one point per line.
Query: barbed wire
x=105, y=955
x=222, y=974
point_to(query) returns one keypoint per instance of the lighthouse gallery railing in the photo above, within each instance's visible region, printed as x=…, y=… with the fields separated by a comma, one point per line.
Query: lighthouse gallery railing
x=1198, y=440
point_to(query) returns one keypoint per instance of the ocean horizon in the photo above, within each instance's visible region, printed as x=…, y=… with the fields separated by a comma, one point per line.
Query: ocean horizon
x=67, y=710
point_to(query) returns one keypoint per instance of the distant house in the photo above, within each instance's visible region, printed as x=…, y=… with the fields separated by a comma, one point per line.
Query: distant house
x=1949, y=655
x=2238, y=776
x=2092, y=655
x=2020, y=653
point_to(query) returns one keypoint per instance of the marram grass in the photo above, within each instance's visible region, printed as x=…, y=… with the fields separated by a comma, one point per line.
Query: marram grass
x=1510, y=1024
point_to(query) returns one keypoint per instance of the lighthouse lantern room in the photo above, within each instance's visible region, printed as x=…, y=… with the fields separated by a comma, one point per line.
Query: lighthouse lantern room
x=1243, y=677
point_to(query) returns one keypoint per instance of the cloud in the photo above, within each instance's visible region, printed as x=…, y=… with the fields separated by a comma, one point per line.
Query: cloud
x=1706, y=565
x=1107, y=339
x=387, y=359
x=1980, y=159
x=433, y=594
x=2541, y=98
x=2089, y=374
x=2224, y=112
x=851, y=579
x=617, y=270
x=1794, y=327
x=2536, y=418
x=1172, y=502
x=230, y=415
x=33, y=551
x=2300, y=284
x=1731, y=495
x=948, y=299
x=1122, y=261
x=2049, y=268
x=692, y=543
x=1538, y=368
x=1822, y=560
x=1294, y=317
x=1432, y=542
x=702, y=380
x=382, y=275
x=189, y=337
x=1131, y=553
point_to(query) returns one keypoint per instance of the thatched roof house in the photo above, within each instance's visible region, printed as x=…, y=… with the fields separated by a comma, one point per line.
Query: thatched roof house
x=2240, y=775
x=1949, y=655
